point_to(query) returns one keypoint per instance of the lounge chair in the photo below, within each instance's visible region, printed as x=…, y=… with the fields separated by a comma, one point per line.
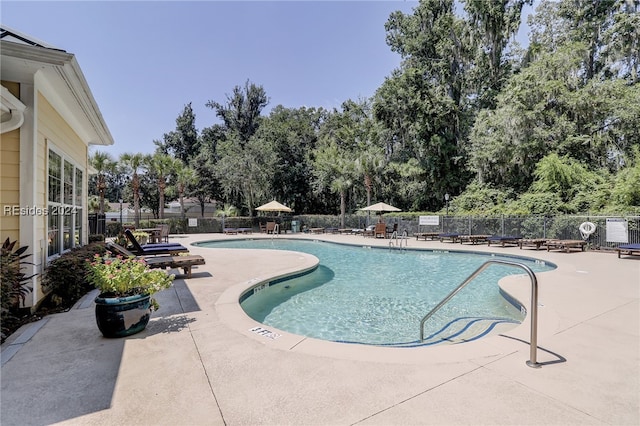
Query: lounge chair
x=628, y=249
x=154, y=249
x=368, y=231
x=473, y=239
x=565, y=245
x=453, y=237
x=427, y=235
x=504, y=240
x=184, y=262
x=532, y=242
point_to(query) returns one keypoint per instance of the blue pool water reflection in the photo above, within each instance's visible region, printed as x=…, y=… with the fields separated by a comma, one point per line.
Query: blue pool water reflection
x=378, y=296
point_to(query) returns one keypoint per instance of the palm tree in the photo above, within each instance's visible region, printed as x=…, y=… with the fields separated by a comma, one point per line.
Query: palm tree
x=162, y=165
x=103, y=163
x=369, y=164
x=333, y=171
x=133, y=162
x=341, y=185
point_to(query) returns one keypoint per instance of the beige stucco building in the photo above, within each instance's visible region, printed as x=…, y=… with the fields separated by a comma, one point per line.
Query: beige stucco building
x=49, y=118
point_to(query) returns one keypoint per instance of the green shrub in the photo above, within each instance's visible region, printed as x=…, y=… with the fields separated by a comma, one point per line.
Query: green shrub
x=96, y=238
x=65, y=278
x=13, y=283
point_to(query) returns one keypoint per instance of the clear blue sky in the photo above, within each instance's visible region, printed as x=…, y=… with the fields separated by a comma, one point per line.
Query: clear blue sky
x=144, y=61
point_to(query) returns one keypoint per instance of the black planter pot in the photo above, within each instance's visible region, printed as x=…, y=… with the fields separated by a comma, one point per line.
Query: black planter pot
x=122, y=316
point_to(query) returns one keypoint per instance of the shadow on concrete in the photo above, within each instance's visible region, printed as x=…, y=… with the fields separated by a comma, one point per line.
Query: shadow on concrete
x=559, y=358
x=67, y=369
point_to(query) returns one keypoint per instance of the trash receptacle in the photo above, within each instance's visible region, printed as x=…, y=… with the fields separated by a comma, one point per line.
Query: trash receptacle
x=295, y=226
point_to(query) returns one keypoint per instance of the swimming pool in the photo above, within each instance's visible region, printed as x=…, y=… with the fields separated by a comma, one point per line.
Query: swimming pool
x=378, y=296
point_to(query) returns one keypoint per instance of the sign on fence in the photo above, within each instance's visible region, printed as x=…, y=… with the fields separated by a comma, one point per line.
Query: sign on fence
x=429, y=220
x=193, y=222
x=617, y=230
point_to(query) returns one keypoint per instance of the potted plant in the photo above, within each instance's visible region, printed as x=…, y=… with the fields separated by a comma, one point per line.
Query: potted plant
x=126, y=285
x=141, y=236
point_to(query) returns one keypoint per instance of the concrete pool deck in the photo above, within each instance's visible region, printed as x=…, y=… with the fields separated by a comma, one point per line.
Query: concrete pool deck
x=199, y=363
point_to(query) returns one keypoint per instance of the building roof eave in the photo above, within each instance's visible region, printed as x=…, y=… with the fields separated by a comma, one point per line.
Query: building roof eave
x=63, y=83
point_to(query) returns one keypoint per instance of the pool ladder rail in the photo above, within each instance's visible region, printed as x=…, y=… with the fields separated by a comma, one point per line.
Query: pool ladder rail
x=396, y=241
x=532, y=362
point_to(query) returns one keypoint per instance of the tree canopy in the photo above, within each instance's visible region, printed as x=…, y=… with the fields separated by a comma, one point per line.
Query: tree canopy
x=545, y=129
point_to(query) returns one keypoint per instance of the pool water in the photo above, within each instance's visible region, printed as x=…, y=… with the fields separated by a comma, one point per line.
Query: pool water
x=379, y=296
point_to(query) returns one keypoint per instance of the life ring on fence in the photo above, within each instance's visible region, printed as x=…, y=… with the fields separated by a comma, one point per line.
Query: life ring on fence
x=586, y=229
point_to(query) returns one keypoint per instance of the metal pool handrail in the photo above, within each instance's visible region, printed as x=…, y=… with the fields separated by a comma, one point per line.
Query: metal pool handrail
x=397, y=241
x=534, y=304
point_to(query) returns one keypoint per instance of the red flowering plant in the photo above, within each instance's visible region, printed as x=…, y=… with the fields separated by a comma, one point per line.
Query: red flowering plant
x=125, y=276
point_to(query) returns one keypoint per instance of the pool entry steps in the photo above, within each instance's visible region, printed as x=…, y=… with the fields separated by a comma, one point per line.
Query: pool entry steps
x=532, y=362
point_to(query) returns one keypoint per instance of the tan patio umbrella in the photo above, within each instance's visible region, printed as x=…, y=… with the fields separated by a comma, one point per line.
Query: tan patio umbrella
x=273, y=206
x=380, y=208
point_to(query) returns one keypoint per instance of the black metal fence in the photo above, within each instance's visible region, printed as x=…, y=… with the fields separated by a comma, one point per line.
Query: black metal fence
x=561, y=227
x=97, y=223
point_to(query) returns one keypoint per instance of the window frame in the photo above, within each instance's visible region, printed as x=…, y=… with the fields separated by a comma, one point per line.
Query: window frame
x=65, y=225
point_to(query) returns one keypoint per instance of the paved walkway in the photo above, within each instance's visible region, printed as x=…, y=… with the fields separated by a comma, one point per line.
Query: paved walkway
x=198, y=363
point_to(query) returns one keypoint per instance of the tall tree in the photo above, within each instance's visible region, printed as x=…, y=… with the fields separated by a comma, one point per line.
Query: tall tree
x=241, y=114
x=334, y=171
x=492, y=24
x=133, y=163
x=185, y=178
x=161, y=166
x=293, y=135
x=104, y=164
x=183, y=143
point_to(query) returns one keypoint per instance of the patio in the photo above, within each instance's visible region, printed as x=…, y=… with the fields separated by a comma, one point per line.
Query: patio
x=201, y=361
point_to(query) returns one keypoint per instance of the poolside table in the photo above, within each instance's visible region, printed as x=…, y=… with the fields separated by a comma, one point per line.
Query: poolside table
x=154, y=234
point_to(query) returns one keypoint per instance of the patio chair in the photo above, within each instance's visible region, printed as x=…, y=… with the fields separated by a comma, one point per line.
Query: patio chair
x=271, y=227
x=390, y=231
x=176, y=262
x=380, y=230
x=154, y=249
x=164, y=232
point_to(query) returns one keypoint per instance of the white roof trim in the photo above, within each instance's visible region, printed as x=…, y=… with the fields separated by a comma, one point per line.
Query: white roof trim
x=61, y=80
x=12, y=111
